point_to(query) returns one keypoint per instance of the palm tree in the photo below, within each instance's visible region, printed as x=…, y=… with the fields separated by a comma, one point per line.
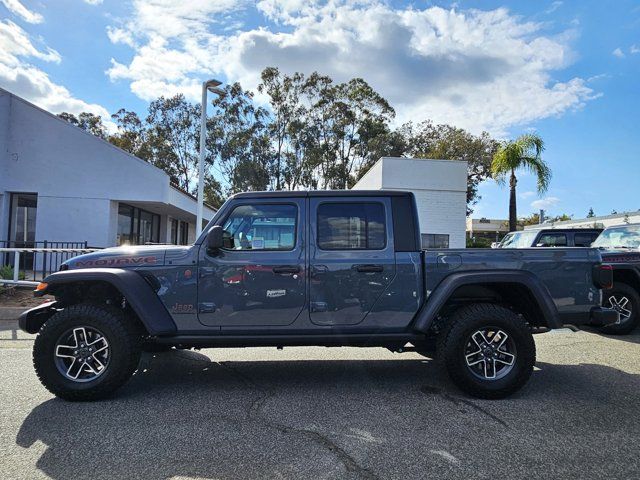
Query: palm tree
x=523, y=152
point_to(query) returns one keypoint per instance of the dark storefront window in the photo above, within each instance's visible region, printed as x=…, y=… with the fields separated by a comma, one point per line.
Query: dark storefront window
x=174, y=231
x=137, y=226
x=22, y=224
x=184, y=233
x=435, y=240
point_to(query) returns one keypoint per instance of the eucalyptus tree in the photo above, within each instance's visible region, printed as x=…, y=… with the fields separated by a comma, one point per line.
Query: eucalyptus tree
x=238, y=142
x=173, y=129
x=446, y=142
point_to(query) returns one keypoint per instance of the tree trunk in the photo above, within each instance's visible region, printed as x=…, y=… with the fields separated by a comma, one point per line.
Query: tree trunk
x=513, y=218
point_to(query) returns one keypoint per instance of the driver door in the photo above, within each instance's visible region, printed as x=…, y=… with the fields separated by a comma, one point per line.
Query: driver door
x=258, y=277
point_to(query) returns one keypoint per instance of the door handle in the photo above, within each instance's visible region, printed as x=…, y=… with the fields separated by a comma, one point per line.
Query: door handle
x=284, y=269
x=318, y=270
x=370, y=268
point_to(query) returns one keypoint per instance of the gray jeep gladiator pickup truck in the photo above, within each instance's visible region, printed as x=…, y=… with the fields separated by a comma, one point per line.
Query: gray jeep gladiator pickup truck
x=328, y=268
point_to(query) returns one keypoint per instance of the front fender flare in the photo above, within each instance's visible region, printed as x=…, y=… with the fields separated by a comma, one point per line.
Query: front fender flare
x=135, y=289
x=450, y=284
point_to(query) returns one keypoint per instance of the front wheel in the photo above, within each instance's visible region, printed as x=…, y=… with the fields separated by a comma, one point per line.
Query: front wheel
x=625, y=300
x=487, y=350
x=85, y=352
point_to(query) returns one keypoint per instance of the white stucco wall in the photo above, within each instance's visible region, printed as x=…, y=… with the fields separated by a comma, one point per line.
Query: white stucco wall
x=440, y=188
x=79, y=178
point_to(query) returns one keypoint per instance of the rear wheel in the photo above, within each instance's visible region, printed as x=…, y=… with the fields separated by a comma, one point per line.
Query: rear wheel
x=487, y=350
x=85, y=352
x=625, y=300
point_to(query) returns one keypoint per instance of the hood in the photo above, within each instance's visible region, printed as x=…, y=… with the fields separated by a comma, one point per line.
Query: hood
x=620, y=255
x=122, y=257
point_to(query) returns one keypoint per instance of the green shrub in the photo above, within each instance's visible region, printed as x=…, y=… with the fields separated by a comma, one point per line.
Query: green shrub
x=478, y=242
x=6, y=272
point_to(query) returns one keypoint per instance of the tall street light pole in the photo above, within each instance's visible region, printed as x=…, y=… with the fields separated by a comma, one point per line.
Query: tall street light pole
x=208, y=86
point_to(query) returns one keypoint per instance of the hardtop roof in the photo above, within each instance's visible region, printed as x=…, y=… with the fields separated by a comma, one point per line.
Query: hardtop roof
x=323, y=193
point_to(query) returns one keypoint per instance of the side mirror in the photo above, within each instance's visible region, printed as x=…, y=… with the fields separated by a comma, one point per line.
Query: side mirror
x=215, y=238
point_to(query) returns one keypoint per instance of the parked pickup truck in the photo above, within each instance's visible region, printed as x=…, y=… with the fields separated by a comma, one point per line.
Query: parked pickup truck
x=620, y=247
x=330, y=268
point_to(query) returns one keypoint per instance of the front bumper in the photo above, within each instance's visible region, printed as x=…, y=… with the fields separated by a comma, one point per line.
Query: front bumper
x=601, y=317
x=31, y=320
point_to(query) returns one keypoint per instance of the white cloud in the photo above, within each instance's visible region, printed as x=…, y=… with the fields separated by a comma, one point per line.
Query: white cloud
x=93, y=2
x=17, y=8
x=545, y=203
x=481, y=70
x=18, y=76
x=525, y=195
x=634, y=49
x=618, y=53
x=15, y=42
x=553, y=7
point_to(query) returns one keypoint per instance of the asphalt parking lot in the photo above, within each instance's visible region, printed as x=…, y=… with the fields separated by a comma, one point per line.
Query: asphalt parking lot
x=328, y=413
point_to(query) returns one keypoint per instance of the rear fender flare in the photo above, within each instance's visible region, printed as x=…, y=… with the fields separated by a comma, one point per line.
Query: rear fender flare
x=136, y=290
x=450, y=284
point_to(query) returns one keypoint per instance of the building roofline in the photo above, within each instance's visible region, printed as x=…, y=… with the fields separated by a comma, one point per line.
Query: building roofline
x=613, y=216
x=54, y=116
x=190, y=195
x=425, y=159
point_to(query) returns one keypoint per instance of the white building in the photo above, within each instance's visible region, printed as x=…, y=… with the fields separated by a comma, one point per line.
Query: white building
x=490, y=228
x=440, y=188
x=594, y=222
x=61, y=184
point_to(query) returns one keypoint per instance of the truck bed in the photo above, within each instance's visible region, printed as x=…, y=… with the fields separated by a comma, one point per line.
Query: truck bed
x=567, y=272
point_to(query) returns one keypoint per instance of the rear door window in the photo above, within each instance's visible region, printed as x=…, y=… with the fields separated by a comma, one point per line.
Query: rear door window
x=351, y=226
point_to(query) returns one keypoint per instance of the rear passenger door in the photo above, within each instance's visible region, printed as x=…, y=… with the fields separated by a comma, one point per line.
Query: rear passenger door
x=352, y=259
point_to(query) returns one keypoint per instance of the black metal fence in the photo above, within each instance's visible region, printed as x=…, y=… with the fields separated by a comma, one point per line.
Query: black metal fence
x=34, y=266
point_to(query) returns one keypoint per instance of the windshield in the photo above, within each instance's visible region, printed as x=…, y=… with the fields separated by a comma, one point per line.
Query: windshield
x=619, y=237
x=518, y=240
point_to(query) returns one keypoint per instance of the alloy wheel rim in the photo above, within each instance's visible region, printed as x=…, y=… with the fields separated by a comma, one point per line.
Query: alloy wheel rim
x=622, y=305
x=490, y=353
x=82, y=354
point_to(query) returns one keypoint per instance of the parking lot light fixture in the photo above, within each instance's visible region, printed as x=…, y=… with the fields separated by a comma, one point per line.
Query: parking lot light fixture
x=208, y=86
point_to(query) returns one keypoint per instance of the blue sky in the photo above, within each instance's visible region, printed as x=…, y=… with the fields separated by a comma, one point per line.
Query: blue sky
x=566, y=69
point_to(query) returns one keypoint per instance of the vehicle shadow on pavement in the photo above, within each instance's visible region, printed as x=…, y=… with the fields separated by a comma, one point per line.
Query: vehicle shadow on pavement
x=188, y=416
x=633, y=337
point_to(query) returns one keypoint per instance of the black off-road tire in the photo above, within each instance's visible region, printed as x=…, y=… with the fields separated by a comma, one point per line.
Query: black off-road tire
x=623, y=290
x=454, y=340
x=123, y=338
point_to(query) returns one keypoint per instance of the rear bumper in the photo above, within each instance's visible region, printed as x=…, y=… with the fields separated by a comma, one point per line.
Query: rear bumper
x=601, y=317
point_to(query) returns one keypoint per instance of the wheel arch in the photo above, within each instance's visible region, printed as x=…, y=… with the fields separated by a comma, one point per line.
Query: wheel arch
x=628, y=275
x=73, y=286
x=519, y=290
